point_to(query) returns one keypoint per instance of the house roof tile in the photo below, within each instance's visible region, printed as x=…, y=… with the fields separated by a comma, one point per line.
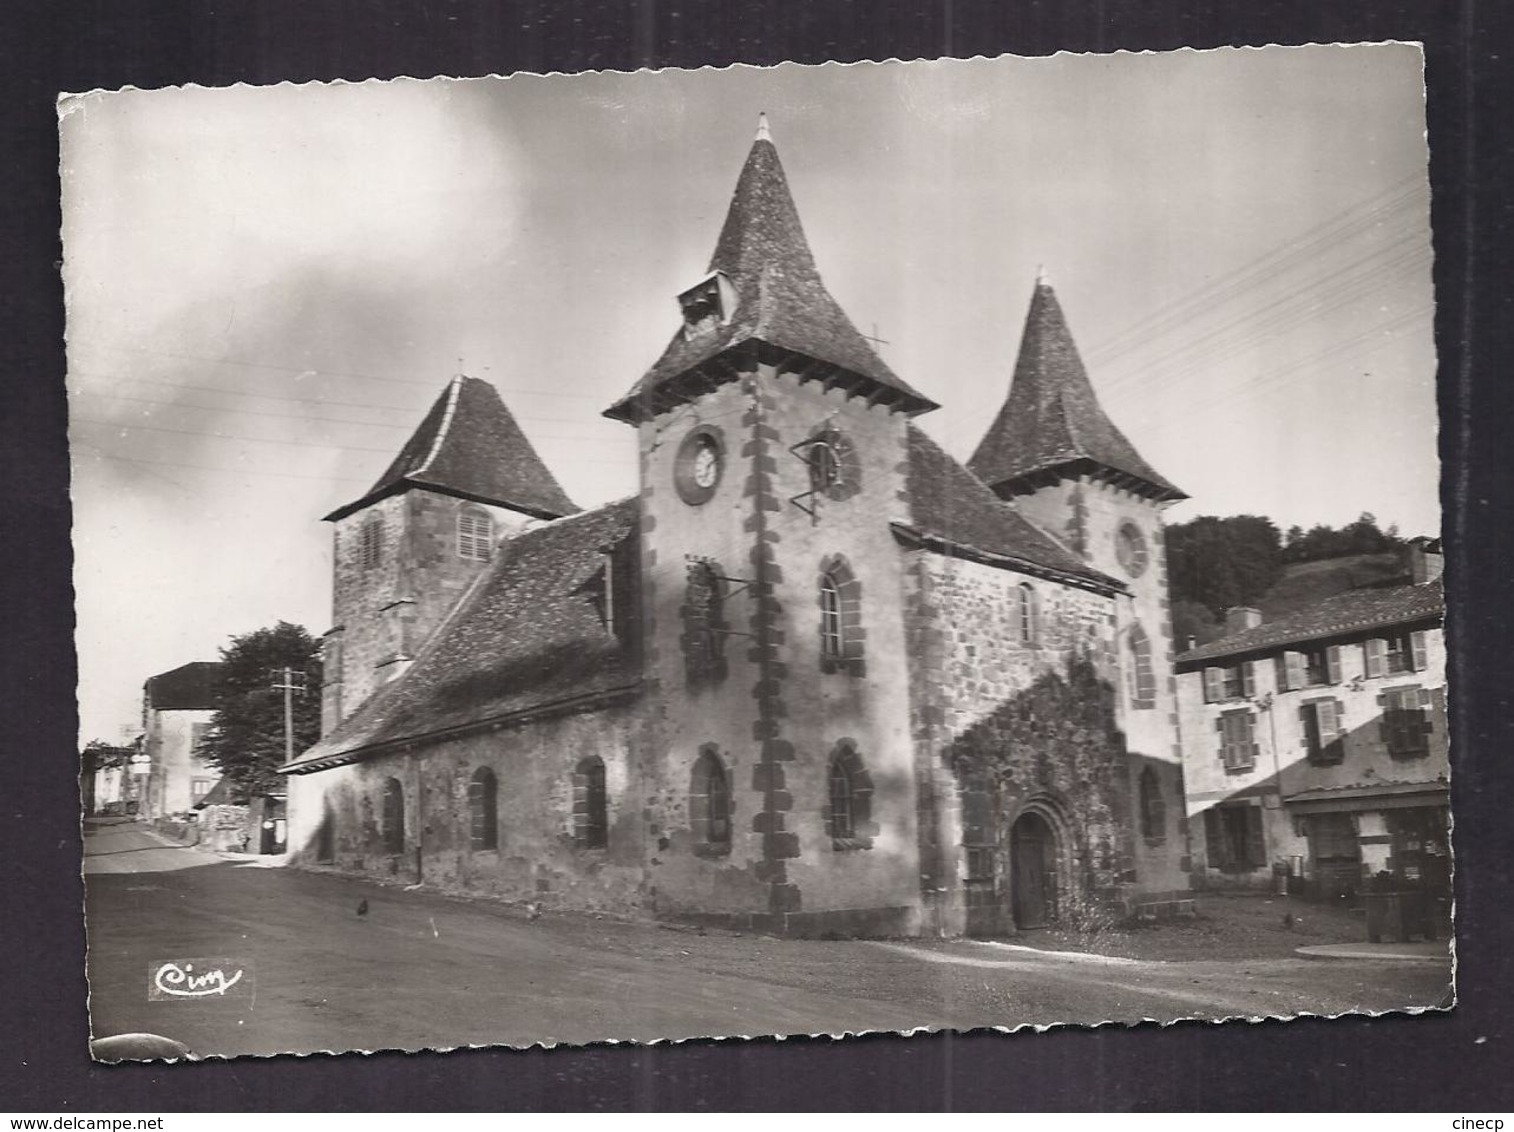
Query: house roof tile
x=190, y=687
x=1052, y=418
x=1355, y=611
x=780, y=299
x=949, y=503
x=469, y=446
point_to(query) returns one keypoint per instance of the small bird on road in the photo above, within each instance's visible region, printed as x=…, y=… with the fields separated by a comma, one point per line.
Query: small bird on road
x=362, y=906
x=533, y=909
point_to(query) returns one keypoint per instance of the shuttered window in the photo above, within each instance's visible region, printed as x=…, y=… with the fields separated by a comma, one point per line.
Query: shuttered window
x=1324, y=730
x=1303, y=668
x=1233, y=838
x=475, y=534
x=371, y=549
x=1237, y=751
x=1406, y=722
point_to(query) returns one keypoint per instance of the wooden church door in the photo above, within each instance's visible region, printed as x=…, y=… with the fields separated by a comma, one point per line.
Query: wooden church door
x=1033, y=871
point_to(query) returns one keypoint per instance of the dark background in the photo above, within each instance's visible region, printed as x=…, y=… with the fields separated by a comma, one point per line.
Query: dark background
x=1458, y=1062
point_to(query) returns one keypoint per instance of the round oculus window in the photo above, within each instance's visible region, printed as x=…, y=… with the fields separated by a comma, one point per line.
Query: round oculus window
x=699, y=464
x=1131, y=549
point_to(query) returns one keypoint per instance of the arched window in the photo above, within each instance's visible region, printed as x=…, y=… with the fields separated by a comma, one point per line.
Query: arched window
x=591, y=819
x=371, y=548
x=1153, y=808
x=475, y=534
x=842, y=825
x=1140, y=677
x=704, y=622
x=1028, y=614
x=841, y=632
x=483, y=810
x=848, y=817
x=393, y=830
x=710, y=802
x=830, y=617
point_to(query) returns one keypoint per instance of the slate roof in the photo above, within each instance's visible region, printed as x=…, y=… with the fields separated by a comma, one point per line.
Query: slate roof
x=950, y=504
x=190, y=687
x=1355, y=611
x=469, y=446
x=1051, y=417
x=780, y=299
x=527, y=635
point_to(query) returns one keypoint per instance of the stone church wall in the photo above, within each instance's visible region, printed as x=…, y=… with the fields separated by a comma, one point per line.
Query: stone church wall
x=536, y=858
x=774, y=717
x=1003, y=725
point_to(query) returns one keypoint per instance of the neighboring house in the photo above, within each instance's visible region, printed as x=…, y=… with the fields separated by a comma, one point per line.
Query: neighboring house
x=814, y=676
x=1318, y=742
x=177, y=708
x=102, y=778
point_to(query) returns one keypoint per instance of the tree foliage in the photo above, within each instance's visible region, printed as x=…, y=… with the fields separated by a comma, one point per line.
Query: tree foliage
x=245, y=740
x=1361, y=537
x=1218, y=563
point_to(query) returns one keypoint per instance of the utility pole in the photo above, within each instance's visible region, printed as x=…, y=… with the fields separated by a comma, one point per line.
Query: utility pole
x=291, y=683
x=288, y=681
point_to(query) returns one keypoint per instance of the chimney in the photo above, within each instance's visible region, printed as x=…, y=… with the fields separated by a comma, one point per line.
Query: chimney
x=1423, y=560
x=1240, y=618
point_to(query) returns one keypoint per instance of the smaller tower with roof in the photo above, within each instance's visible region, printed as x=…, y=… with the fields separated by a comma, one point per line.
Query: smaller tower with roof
x=404, y=552
x=1054, y=452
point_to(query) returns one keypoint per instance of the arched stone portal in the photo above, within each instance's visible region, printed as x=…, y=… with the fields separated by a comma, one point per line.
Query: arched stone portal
x=1033, y=860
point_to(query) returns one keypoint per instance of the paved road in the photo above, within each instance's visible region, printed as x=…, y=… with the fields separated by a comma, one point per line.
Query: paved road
x=426, y=971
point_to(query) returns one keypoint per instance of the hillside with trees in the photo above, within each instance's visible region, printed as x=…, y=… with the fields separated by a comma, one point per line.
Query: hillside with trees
x=1216, y=563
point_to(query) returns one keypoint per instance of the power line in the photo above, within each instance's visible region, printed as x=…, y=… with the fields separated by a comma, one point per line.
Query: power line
x=1352, y=281
x=225, y=471
x=1251, y=387
x=407, y=409
x=1351, y=222
x=341, y=374
x=308, y=419
x=289, y=443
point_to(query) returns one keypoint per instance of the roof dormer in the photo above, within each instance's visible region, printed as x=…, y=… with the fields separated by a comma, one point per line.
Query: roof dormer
x=708, y=305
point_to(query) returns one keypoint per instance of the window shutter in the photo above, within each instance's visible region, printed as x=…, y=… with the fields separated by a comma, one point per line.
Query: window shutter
x=1248, y=678
x=1340, y=719
x=1333, y=664
x=1256, y=844
x=1293, y=671
x=1214, y=685
x=1214, y=839
x=1417, y=647
x=1327, y=720
x=1376, y=651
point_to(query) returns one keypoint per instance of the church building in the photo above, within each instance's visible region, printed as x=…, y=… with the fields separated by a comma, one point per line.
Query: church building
x=813, y=676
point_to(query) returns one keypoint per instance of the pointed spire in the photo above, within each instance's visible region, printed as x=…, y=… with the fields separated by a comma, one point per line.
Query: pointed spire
x=469, y=446
x=772, y=293
x=1052, y=418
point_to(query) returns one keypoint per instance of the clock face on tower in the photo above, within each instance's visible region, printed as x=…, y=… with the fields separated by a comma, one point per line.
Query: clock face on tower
x=1130, y=548
x=699, y=464
x=706, y=463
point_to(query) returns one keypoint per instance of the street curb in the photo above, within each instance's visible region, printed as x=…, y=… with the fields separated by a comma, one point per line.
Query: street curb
x=1369, y=956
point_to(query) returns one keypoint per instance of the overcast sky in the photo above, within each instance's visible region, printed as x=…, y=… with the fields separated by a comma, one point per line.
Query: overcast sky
x=268, y=286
